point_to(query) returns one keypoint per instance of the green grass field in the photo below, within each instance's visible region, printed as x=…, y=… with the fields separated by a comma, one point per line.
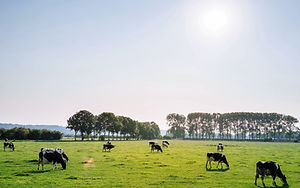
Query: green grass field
x=131, y=164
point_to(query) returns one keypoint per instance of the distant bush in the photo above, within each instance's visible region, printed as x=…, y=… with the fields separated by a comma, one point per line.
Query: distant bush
x=166, y=137
x=21, y=133
x=268, y=139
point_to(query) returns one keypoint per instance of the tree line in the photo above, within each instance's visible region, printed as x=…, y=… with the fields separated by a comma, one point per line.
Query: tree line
x=235, y=125
x=108, y=125
x=21, y=133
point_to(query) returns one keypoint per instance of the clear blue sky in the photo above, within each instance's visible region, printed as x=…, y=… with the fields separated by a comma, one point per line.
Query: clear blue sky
x=146, y=59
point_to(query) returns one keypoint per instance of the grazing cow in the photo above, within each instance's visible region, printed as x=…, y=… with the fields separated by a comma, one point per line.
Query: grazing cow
x=269, y=168
x=108, y=142
x=9, y=145
x=220, y=147
x=157, y=147
x=219, y=157
x=165, y=145
x=166, y=142
x=52, y=155
x=61, y=151
x=107, y=146
x=152, y=143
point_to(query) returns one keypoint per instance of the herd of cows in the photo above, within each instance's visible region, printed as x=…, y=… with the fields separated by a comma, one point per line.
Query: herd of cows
x=56, y=155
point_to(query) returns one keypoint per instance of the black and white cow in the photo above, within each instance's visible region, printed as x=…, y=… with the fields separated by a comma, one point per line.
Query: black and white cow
x=156, y=147
x=220, y=147
x=9, y=145
x=152, y=143
x=269, y=168
x=219, y=157
x=61, y=151
x=107, y=146
x=108, y=142
x=54, y=155
x=166, y=142
x=165, y=145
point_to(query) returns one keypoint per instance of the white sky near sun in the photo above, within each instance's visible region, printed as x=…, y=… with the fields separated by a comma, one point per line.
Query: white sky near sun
x=146, y=59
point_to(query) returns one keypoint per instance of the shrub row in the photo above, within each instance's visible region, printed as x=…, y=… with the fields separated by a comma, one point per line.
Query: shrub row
x=21, y=133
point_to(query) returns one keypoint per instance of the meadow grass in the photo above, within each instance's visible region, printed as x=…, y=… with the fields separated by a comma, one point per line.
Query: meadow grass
x=131, y=164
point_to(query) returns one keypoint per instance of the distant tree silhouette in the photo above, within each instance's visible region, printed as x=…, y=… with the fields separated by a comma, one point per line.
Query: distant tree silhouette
x=83, y=121
x=177, y=124
x=241, y=125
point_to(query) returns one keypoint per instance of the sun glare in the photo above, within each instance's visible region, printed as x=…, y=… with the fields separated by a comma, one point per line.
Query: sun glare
x=216, y=20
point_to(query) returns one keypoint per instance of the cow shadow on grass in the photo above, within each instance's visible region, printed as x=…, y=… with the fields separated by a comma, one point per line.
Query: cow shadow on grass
x=283, y=186
x=37, y=171
x=35, y=161
x=217, y=169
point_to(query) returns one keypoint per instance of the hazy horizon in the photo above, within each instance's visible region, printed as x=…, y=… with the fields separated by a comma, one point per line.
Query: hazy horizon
x=147, y=59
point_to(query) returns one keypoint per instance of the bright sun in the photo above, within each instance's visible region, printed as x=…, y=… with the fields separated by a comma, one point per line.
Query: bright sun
x=216, y=20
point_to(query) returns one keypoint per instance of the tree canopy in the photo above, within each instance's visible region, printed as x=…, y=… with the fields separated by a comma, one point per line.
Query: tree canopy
x=235, y=125
x=107, y=124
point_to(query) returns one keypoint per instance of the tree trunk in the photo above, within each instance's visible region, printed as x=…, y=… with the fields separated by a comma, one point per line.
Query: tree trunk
x=82, y=136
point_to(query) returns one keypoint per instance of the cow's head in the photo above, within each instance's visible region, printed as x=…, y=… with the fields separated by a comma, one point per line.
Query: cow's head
x=224, y=160
x=64, y=165
x=283, y=179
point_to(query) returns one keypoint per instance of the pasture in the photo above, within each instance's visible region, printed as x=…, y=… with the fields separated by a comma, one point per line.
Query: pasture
x=131, y=164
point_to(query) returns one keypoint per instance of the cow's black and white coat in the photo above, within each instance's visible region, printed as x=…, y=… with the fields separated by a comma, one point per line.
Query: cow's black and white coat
x=165, y=142
x=156, y=147
x=54, y=155
x=107, y=147
x=152, y=143
x=220, y=147
x=165, y=145
x=9, y=145
x=269, y=168
x=218, y=157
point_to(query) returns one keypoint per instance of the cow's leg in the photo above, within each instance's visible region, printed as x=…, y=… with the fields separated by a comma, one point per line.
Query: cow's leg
x=262, y=179
x=43, y=164
x=39, y=164
x=206, y=164
x=218, y=164
x=257, y=176
x=274, y=183
x=53, y=165
x=210, y=164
